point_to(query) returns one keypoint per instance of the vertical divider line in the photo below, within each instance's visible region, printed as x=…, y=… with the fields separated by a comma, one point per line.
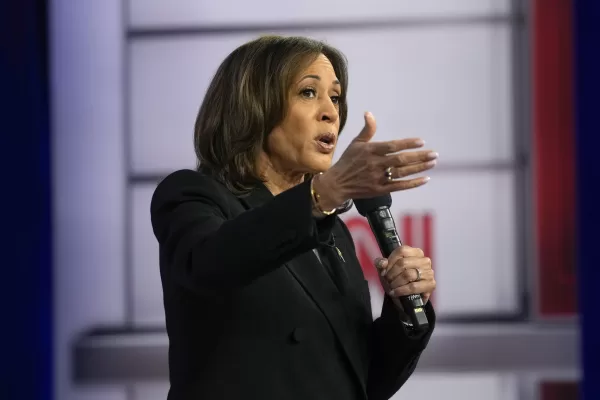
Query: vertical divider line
x=521, y=82
x=126, y=97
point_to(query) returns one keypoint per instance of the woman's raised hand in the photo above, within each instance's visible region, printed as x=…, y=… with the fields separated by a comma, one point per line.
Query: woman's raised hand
x=368, y=168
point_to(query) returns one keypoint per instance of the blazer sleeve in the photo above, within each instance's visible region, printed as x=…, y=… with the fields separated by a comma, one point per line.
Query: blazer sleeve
x=395, y=351
x=208, y=251
x=394, y=348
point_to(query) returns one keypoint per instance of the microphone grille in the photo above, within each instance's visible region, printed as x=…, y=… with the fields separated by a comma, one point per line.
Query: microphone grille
x=365, y=206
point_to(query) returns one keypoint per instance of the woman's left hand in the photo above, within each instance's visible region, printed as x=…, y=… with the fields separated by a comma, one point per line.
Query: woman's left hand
x=406, y=271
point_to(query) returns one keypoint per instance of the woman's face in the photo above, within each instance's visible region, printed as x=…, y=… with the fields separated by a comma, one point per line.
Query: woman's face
x=305, y=140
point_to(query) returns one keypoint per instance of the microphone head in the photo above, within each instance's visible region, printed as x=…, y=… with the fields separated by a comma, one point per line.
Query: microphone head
x=365, y=206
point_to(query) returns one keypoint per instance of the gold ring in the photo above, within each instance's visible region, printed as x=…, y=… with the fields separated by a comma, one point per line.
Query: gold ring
x=388, y=173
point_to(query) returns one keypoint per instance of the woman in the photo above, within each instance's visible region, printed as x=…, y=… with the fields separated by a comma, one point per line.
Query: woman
x=264, y=296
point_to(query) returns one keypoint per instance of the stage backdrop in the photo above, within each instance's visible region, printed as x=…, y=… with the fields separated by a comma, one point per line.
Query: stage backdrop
x=129, y=76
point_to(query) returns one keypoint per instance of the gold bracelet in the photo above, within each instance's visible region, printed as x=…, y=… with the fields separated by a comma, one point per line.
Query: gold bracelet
x=316, y=197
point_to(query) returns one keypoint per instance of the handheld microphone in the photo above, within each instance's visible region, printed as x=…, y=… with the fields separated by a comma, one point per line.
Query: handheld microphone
x=377, y=212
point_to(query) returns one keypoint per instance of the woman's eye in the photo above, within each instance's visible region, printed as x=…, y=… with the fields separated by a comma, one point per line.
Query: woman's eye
x=309, y=93
x=312, y=93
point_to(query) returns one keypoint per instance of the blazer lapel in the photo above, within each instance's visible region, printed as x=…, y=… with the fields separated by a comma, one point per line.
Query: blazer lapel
x=312, y=276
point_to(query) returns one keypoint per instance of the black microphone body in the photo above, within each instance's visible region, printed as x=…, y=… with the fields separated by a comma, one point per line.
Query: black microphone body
x=377, y=212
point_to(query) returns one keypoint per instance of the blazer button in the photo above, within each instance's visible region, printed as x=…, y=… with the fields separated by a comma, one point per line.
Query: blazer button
x=298, y=335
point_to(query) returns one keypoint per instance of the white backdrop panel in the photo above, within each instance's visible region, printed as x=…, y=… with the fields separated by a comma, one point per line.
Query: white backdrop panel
x=448, y=386
x=88, y=183
x=157, y=13
x=474, y=243
x=147, y=296
x=450, y=86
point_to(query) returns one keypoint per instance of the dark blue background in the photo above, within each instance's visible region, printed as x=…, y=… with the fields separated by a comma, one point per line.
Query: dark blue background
x=587, y=106
x=25, y=265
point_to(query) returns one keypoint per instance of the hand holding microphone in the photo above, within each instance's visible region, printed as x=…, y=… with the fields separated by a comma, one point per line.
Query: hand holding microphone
x=406, y=273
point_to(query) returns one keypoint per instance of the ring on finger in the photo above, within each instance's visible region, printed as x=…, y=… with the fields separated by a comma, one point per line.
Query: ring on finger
x=418, y=275
x=388, y=173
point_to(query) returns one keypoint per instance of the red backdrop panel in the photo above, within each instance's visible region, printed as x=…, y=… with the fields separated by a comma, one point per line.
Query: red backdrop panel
x=554, y=154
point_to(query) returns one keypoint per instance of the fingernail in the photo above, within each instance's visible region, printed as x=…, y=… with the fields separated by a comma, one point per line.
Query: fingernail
x=391, y=292
x=368, y=114
x=431, y=163
x=432, y=155
x=426, y=179
x=419, y=142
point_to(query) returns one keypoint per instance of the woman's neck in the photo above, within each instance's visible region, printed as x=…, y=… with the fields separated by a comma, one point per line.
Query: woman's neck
x=278, y=181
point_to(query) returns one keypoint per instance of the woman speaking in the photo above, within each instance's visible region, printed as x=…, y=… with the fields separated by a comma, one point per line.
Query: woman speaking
x=264, y=296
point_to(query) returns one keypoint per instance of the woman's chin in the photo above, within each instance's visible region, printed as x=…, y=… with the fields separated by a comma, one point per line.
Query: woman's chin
x=320, y=165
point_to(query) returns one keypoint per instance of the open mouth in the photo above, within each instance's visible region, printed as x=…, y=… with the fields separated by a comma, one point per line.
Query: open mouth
x=327, y=139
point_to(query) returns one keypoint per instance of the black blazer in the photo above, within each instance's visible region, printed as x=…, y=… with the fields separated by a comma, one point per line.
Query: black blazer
x=252, y=313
